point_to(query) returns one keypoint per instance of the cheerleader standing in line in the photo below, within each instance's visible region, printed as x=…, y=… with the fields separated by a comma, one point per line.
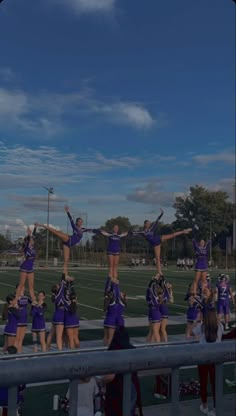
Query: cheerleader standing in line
x=155, y=240
x=11, y=313
x=153, y=298
x=22, y=323
x=27, y=265
x=167, y=297
x=38, y=322
x=71, y=318
x=69, y=240
x=113, y=250
x=59, y=299
x=192, y=311
x=113, y=312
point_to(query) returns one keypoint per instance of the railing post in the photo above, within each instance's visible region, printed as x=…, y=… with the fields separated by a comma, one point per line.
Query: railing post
x=126, y=394
x=219, y=389
x=175, y=392
x=12, y=400
x=74, y=398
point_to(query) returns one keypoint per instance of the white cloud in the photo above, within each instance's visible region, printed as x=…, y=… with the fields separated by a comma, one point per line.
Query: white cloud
x=131, y=114
x=88, y=6
x=46, y=114
x=224, y=157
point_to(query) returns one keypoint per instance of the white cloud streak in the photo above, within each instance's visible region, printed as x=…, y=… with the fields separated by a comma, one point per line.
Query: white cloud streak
x=224, y=157
x=46, y=114
x=88, y=6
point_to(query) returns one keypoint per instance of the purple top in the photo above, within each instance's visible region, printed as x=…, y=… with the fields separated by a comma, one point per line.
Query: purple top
x=114, y=241
x=150, y=233
x=77, y=232
x=201, y=253
x=223, y=290
x=151, y=294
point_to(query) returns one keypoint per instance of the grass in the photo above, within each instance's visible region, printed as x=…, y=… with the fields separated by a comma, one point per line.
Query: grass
x=89, y=283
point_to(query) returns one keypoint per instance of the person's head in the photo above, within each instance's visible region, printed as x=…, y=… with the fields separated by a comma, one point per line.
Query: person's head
x=116, y=229
x=10, y=299
x=146, y=224
x=79, y=222
x=210, y=324
x=202, y=243
x=120, y=340
x=41, y=295
x=55, y=289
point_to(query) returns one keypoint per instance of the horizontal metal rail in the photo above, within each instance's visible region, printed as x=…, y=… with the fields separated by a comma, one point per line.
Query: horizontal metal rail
x=74, y=366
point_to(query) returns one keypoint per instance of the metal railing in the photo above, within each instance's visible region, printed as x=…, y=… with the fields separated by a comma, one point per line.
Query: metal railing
x=16, y=371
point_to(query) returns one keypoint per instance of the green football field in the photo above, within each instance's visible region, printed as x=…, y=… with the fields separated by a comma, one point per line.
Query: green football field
x=89, y=284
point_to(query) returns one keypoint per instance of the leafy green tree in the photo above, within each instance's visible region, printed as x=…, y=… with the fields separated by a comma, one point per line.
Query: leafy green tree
x=210, y=210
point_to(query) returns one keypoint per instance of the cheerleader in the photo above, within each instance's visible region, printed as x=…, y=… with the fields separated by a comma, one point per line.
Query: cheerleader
x=113, y=249
x=202, y=249
x=11, y=314
x=59, y=299
x=27, y=265
x=38, y=322
x=192, y=311
x=71, y=318
x=223, y=293
x=155, y=240
x=167, y=297
x=114, y=303
x=23, y=302
x=69, y=240
x=154, y=295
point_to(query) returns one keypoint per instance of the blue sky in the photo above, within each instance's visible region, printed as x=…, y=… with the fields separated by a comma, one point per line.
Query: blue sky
x=120, y=105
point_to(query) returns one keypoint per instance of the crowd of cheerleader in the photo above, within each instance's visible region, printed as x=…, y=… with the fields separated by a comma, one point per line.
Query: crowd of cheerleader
x=65, y=320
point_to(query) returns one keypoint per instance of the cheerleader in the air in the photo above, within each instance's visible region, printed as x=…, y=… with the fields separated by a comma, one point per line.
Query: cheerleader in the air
x=113, y=249
x=150, y=234
x=202, y=249
x=69, y=240
x=27, y=265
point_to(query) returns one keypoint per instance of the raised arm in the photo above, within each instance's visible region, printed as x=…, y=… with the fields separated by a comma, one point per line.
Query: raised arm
x=155, y=223
x=73, y=226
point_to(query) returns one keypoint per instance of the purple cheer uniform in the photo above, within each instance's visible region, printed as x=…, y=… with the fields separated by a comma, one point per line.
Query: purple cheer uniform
x=77, y=235
x=115, y=306
x=193, y=308
x=38, y=319
x=23, y=303
x=59, y=300
x=150, y=233
x=27, y=264
x=154, y=314
x=201, y=256
x=114, y=242
x=223, y=287
x=12, y=320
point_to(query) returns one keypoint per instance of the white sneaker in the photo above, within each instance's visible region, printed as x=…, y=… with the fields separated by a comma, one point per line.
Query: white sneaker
x=226, y=327
x=212, y=412
x=204, y=410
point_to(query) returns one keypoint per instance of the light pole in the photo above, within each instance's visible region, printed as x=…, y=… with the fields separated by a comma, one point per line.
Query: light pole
x=49, y=191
